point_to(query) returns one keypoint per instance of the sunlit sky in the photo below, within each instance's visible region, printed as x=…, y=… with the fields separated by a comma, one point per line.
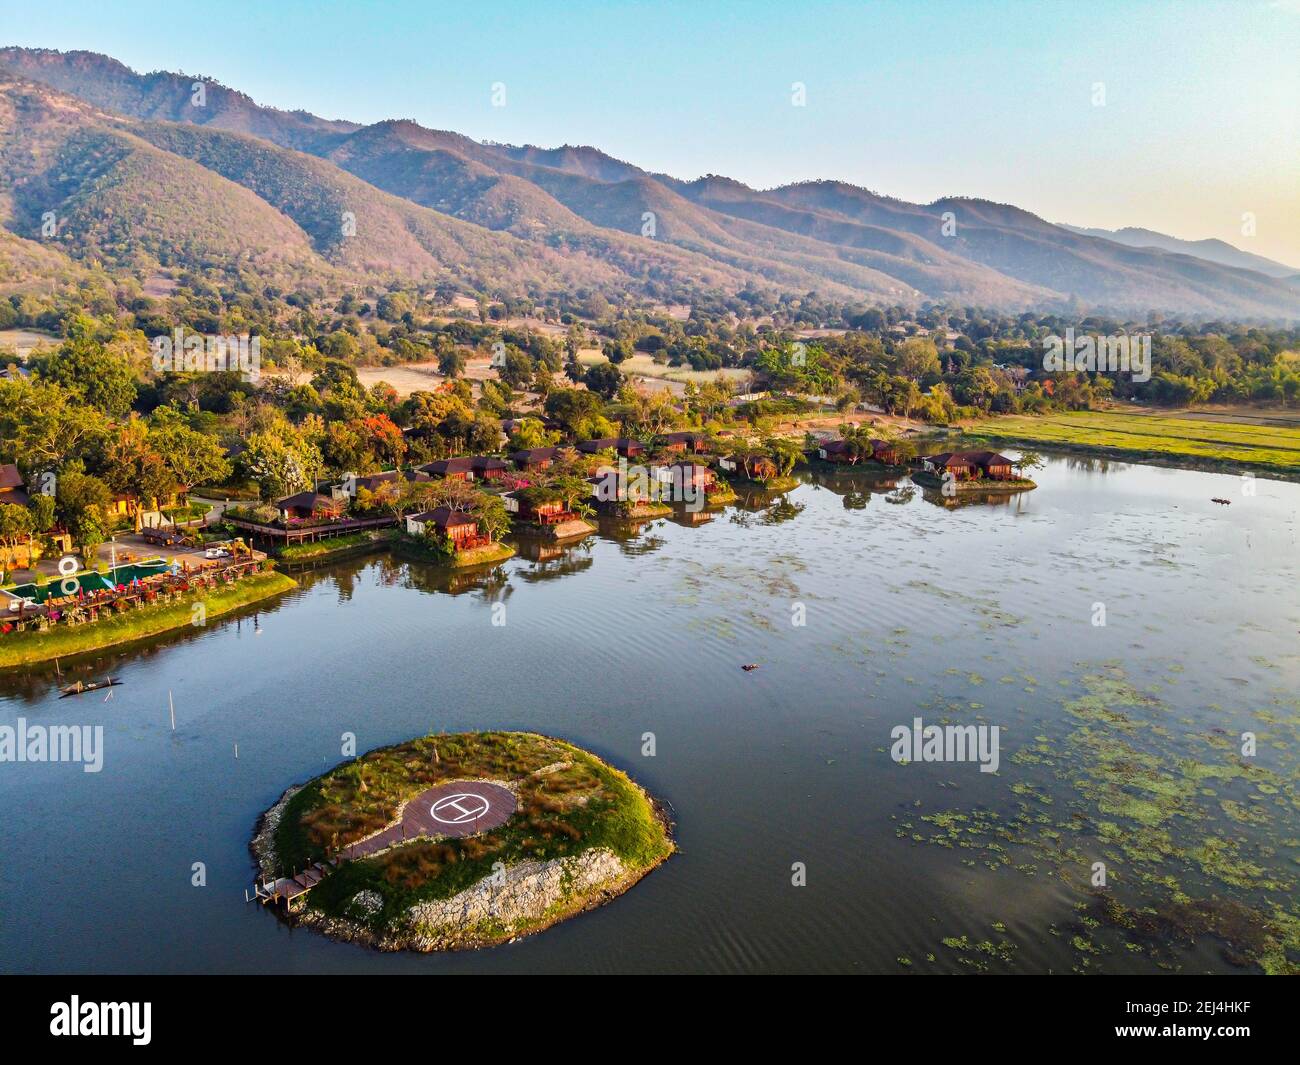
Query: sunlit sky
x=1200, y=122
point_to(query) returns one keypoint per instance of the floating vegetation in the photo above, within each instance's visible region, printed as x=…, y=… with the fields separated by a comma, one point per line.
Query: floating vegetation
x=1194, y=839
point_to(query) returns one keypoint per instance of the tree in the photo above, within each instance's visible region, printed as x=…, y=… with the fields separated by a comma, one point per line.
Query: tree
x=530, y=433
x=192, y=457
x=1028, y=462
x=451, y=363
x=785, y=453
x=572, y=407
x=915, y=358
x=282, y=463
x=46, y=424
x=101, y=376
x=88, y=533
x=15, y=526
x=604, y=378
x=79, y=495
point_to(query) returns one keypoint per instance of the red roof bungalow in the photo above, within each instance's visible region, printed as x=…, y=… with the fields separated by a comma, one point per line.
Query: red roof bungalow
x=11, y=485
x=539, y=512
x=535, y=458
x=886, y=452
x=466, y=468
x=458, y=527
x=754, y=468
x=487, y=468
x=303, y=506
x=623, y=445
x=688, y=440
x=690, y=477
x=966, y=465
x=457, y=469
x=882, y=451
x=838, y=451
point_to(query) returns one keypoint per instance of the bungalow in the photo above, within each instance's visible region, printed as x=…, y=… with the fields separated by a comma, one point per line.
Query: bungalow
x=882, y=451
x=886, y=452
x=488, y=468
x=536, y=511
x=965, y=465
x=623, y=445
x=688, y=440
x=302, y=506
x=754, y=468
x=688, y=478
x=535, y=458
x=457, y=469
x=11, y=485
x=837, y=451
x=457, y=526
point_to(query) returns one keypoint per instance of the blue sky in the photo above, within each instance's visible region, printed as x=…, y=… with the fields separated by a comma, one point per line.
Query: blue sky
x=1200, y=122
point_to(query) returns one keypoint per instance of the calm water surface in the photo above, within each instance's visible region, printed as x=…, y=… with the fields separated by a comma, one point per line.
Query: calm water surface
x=1119, y=743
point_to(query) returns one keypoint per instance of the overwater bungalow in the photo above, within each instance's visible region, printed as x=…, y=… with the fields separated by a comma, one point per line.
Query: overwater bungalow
x=756, y=468
x=689, y=477
x=459, y=528
x=529, y=506
x=966, y=465
x=885, y=452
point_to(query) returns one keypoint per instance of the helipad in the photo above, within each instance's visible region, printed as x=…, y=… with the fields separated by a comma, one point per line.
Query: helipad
x=457, y=808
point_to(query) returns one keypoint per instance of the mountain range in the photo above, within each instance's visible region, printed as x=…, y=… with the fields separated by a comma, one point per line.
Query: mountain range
x=143, y=170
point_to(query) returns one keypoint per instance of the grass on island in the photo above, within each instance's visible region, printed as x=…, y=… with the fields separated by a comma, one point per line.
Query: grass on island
x=1140, y=436
x=580, y=805
x=480, y=556
x=28, y=648
x=338, y=545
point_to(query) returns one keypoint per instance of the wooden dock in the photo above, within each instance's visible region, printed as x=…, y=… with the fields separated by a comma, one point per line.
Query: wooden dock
x=309, y=533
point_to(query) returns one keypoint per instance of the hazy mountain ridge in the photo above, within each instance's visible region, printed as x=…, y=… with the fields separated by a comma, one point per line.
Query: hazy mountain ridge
x=554, y=217
x=1210, y=249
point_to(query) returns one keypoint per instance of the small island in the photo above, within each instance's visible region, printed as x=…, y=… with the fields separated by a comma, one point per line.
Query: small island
x=453, y=842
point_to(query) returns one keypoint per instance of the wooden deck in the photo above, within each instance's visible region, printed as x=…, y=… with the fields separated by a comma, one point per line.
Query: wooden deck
x=310, y=533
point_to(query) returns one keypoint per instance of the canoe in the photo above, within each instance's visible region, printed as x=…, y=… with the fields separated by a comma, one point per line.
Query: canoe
x=81, y=689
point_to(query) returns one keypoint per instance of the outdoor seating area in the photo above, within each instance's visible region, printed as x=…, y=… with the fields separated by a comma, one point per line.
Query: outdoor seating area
x=131, y=587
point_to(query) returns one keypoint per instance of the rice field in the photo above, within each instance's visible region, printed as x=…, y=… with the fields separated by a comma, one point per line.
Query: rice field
x=1182, y=437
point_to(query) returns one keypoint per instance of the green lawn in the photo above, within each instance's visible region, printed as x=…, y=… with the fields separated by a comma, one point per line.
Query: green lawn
x=28, y=648
x=1210, y=442
x=338, y=545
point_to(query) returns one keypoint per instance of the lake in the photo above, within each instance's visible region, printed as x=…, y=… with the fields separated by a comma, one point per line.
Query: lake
x=866, y=605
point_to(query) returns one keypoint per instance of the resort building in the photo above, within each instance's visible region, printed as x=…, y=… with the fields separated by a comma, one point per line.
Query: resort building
x=458, y=527
x=688, y=440
x=965, y=465
x=303, y=506
x=535, y=458
x=623, y=445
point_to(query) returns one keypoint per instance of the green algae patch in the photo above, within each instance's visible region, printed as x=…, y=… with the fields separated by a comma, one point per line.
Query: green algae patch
x=1196, y=840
